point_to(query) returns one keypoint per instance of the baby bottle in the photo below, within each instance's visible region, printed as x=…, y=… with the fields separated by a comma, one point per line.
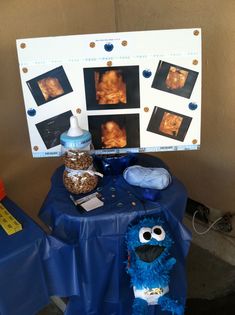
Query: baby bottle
x=79, y=174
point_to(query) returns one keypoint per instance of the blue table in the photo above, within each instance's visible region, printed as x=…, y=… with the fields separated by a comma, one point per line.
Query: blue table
x=99, y=237
x=32, y=267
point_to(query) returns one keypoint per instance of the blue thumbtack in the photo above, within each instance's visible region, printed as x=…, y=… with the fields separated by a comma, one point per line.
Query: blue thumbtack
x=31, y=112
x=147, y=73
x=192, y=106
x=108, y=47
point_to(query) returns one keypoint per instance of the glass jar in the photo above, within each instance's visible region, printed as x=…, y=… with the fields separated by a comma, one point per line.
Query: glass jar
x=79, y=175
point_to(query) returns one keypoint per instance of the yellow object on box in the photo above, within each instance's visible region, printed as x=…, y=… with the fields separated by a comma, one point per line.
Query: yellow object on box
x=8, y=222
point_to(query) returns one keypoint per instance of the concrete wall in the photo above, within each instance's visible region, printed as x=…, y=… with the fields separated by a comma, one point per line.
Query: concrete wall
x=209, y=174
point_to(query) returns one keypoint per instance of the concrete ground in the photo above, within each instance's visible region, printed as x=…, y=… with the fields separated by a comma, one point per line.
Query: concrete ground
x=211, y=286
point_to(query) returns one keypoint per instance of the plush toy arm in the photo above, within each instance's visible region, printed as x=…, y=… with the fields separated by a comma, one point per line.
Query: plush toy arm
x=170, y=263
x=167, y=304
x=140, y=307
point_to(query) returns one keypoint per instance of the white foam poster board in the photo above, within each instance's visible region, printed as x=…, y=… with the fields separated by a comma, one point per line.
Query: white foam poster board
x=134, y=91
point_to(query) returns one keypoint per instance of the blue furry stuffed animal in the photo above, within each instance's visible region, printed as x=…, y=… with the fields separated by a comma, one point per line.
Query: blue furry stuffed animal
x=149, y=264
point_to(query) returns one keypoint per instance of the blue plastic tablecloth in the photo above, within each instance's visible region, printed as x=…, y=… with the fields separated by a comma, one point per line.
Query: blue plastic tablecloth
x=32, y=267
x=99, y=237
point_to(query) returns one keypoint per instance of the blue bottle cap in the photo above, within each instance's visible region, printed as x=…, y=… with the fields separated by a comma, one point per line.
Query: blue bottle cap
x=75, y=137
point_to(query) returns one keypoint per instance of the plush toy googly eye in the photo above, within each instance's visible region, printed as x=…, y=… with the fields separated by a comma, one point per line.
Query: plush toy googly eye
x=145, y=234
x=158, y=233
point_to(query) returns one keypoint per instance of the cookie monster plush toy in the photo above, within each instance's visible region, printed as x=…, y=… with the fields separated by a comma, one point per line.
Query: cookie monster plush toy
x=149, y=264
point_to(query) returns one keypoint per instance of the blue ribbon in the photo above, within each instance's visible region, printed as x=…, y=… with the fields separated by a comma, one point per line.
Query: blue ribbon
x=114, y=165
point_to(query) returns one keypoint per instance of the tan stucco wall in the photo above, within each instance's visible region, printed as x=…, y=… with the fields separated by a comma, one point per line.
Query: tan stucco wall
x=209, y=174
x=26, y=179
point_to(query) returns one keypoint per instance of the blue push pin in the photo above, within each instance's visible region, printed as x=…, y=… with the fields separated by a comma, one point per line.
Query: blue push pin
x=147, y=73
x=31, y=112
x=192, y=106
x=108, y=47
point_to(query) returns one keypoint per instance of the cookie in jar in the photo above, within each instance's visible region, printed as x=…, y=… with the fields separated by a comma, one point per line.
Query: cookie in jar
x=79, y=174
